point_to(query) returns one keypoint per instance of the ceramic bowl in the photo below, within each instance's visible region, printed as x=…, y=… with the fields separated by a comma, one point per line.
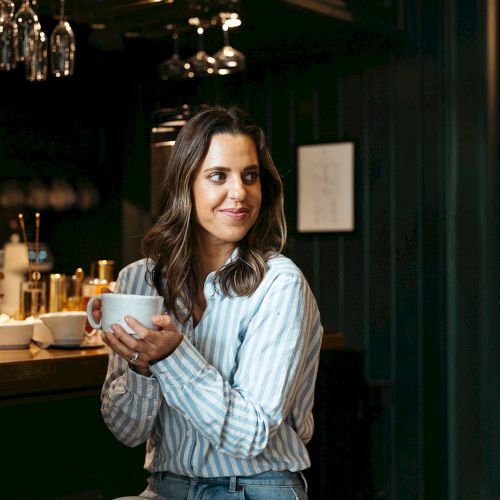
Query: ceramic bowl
x=67, y=328
x=16, y=334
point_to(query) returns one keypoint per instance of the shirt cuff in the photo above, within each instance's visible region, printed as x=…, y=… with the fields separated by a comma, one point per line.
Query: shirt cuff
x=182, y=366
x=141, y=385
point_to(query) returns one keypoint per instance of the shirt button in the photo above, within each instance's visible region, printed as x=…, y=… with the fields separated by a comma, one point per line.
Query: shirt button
x=188, y=433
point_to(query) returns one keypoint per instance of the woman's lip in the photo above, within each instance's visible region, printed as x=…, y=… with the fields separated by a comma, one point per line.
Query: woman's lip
x=235, y=212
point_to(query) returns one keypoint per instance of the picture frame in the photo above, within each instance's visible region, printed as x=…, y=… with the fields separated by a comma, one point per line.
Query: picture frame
x=325, y=187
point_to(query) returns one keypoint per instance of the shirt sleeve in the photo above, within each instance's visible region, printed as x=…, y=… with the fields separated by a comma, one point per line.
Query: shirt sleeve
x=239, y=417
x=129, y=401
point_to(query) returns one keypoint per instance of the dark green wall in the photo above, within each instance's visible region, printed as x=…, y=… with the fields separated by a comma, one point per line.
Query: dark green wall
x=471, y=155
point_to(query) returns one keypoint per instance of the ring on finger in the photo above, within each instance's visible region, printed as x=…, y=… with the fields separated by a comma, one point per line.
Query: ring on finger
x=134, y=357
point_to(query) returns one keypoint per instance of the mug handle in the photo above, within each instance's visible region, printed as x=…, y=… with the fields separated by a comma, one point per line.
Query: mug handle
x=90, y=317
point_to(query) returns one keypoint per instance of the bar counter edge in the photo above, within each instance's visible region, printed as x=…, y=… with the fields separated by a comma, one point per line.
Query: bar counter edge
x=33, y=371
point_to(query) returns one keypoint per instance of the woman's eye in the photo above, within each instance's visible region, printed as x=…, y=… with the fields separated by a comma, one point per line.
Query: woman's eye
x=217, y=177
x=251, y=177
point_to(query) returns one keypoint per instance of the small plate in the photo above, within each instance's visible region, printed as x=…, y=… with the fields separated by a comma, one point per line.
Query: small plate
x=14, y=346
x=88, y=342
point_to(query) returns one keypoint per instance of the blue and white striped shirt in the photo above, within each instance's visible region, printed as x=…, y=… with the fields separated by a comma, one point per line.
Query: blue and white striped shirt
x=235, y=398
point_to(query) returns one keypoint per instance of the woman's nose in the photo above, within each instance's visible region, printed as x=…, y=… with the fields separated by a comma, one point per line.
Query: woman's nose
x=237, y=191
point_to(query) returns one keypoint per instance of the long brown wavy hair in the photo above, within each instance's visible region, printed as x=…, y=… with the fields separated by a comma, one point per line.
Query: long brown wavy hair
x=169, y=244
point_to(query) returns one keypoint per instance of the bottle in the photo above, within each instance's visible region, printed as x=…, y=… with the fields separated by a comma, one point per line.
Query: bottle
x=101, y=276
x=104, y=275
x=74, y=300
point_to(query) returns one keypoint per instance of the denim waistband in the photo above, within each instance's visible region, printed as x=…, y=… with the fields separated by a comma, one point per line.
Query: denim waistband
x=276, y=478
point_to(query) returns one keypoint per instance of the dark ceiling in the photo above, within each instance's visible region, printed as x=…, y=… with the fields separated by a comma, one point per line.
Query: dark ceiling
x=145, y=18
x=149, y=18
x=270, y=30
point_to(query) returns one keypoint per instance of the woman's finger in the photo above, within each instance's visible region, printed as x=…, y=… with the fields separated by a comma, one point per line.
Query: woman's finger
x=141, y=331
x=96, y=306
x=127, y=346
x=164, y=322
x=128, y=339
x=96, y=310
x=114, y=340
x=97, y=315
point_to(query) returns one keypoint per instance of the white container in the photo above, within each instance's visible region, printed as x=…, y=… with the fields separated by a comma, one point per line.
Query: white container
x=67, y=328
x=16, y=334
x=15, y=269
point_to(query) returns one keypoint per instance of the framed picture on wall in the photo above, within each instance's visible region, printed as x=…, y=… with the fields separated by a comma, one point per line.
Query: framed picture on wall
x=325, y=187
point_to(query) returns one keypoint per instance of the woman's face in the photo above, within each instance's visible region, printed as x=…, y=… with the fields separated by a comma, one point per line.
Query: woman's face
x=226, y=190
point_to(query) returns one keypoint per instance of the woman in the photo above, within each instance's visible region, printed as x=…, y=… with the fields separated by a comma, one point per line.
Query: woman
x=223, y=391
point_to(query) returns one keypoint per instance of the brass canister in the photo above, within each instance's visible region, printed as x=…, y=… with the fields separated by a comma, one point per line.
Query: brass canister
x=105, y=270
x=58, y=292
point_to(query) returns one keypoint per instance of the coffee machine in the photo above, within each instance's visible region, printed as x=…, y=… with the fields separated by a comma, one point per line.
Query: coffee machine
x=18, y=259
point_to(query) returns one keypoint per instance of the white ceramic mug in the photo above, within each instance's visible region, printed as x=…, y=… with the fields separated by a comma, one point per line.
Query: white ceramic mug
x=115, y=306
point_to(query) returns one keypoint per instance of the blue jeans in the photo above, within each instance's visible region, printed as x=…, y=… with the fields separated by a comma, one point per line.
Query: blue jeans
x=271, y=485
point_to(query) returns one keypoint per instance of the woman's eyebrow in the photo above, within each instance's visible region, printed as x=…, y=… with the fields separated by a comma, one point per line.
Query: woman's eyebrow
x=208, y=169
x=219, y=168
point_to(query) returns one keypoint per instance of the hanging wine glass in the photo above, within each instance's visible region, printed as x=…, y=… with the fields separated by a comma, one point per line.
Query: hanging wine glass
x=38, y=63
x=62, y=47
x=228, y=59
x=8, y=36
x=200, y=64
x=172, y=68
x=27, y=21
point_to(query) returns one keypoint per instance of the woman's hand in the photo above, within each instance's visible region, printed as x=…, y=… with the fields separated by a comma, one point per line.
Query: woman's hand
x=96, y=306
x=152, y=345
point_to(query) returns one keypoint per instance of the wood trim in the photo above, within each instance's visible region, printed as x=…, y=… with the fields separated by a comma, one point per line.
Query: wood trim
x=333, y=8
x=332, y=340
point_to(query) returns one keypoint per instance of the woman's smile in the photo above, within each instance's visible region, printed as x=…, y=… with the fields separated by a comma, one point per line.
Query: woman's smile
x=236, y=213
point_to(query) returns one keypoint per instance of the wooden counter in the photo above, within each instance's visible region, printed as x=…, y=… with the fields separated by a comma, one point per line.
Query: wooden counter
x=28, y=372
x=25, y=372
